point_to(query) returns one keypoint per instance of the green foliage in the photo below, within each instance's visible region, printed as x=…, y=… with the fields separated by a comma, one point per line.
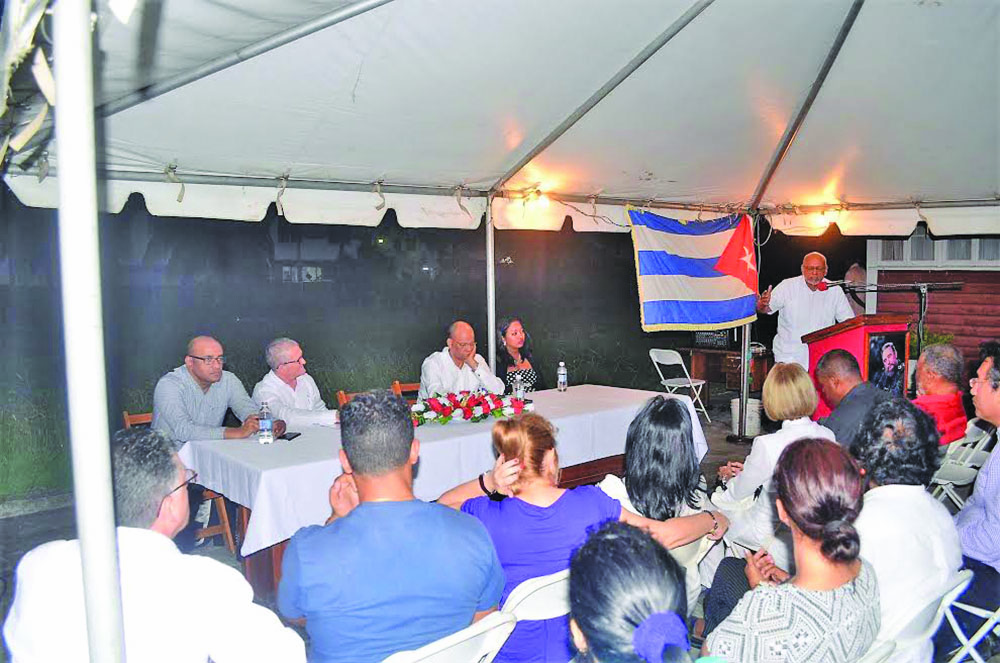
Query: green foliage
x=34, y=451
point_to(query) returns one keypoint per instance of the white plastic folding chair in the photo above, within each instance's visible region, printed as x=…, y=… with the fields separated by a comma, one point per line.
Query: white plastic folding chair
x=673, y=358
x=961, y=464
x=478, y=643
x=545, y=597
x=968, y=648
x=879, y=653
x=925, y=623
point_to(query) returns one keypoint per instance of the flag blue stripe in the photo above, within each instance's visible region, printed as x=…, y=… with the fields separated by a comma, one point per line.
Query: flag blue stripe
x=663, y=224
x=698, y=313
x=661, y=263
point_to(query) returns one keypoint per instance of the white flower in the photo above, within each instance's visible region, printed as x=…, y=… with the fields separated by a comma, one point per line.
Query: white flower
x=430, y=414
x=508, y=411
x=477, y=411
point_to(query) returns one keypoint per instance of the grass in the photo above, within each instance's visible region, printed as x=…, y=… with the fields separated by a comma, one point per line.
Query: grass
x=34, y=451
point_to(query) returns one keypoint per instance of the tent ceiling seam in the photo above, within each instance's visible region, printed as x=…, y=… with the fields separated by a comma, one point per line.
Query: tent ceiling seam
x=792, y=130
x=241, y=55
x=620, y=76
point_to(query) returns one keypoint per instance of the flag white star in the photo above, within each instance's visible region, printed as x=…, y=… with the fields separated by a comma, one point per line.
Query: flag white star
x=748, y=259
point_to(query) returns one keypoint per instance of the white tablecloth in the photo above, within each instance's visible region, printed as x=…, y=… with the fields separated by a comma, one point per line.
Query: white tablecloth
x=286, y=484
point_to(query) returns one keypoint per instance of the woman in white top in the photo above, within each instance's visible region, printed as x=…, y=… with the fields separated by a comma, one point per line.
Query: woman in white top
x=748, y=501
x=662, y=477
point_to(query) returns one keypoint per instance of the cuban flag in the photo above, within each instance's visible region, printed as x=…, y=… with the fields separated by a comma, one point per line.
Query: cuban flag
x=694, y=274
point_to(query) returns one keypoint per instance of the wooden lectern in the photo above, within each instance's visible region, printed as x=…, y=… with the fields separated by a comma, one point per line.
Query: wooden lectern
x=868, y=338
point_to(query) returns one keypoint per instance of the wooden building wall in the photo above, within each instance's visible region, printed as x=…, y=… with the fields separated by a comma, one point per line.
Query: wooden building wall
x=971, y=314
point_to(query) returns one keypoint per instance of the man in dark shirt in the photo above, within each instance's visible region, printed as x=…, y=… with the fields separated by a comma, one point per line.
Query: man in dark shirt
x=850, y=398
x=890, y=377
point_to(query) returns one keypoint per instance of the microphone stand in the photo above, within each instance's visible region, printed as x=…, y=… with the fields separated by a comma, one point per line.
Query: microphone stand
x=920, y=288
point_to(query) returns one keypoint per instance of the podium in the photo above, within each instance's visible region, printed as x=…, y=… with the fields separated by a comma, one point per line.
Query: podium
x=873, y=340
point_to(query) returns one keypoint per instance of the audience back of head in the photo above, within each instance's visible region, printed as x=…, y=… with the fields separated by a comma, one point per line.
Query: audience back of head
x=838, y=363
x=376, y=430
x=897, y=444
x=627, y=597
x=661, y=468
x=144, y=472
x=527, y=437
x=788, y=393
x=820, y=487
x=944, y=360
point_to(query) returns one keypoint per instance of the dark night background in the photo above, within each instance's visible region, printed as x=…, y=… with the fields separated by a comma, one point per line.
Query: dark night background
x=367, y=304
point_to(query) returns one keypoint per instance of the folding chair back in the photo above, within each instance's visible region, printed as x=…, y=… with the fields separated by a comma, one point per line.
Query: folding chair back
x=141, y=419
x=478, y=643
x=925, y=623
x=545, y=597
x=660, y=358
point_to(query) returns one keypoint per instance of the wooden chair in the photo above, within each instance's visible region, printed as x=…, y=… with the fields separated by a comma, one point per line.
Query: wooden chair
x=223, y=529
x=343, y=397
x=408, y=388
x=591, y=472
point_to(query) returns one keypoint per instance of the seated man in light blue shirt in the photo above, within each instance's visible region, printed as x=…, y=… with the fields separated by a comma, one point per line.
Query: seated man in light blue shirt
x=190, y=402
x=979, y=520
x=389, y=572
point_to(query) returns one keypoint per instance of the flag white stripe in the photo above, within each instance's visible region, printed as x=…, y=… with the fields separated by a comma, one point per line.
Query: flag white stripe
x=689, y=288
x=685, y=246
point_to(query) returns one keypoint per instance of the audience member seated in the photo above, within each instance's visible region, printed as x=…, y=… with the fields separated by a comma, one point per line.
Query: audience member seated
x=979, y=520
x=829, y=610
x=514, y=357
x=160, y=587
x=662, y=477
x=939, y=394
x=536, y=531
x=190, y=403
x=387, y=572
x=850, y=398
x=748, y=500
x=907, y=536
x=289, y=391
x=626, y=595
x=457, y=367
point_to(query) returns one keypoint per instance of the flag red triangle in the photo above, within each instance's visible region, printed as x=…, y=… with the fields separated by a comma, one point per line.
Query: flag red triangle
x=738, y=258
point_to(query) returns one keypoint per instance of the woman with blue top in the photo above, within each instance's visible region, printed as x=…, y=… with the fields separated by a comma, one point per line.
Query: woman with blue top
x=514, y=357
x=537, y=528
x=627, y=600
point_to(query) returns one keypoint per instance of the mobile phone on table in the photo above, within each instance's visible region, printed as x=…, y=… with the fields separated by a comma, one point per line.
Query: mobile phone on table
x=289, y=436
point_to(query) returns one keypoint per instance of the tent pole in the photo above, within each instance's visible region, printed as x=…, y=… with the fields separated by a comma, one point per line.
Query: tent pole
x=606, y=89
x=251, y=51
x=744, y=380
x=83, y=331
x=800, y=115
x=491, y=285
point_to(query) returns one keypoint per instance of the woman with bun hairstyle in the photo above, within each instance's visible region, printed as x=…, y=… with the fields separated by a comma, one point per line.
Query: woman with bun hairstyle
x=514, y=357
x=627, y=599
x=829, y=610
x=537, y=528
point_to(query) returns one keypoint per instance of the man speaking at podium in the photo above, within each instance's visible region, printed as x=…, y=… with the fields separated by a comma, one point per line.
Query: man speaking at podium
x=805, y=305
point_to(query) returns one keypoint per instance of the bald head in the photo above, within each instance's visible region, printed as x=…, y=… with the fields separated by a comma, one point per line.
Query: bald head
x=204, y=360
x=461, y=341
x=198, y=345
x=814, y=269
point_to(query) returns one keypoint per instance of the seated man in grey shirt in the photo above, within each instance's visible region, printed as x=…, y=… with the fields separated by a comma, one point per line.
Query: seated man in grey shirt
x=190, y=402
x=840, y=383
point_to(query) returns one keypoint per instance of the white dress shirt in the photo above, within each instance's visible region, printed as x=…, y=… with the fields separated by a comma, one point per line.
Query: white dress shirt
x=752, y=524
x=161, y=590
x=299, y=407
x=439, y=375
x=911, y=541
x=803, y=311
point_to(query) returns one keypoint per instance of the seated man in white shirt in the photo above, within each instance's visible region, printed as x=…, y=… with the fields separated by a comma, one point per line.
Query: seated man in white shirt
x=289, y=391
x=907, y=536
x=47, y=619
x=457, y=367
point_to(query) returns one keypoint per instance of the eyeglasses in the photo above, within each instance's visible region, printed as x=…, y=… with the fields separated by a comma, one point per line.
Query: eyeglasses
x=300, y=360
x=191, y=476
x=221, y=359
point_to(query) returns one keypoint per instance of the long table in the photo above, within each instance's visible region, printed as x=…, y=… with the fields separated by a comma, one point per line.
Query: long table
x=284, y=486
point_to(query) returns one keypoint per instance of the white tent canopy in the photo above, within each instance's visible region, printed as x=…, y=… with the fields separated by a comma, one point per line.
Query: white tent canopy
x=676, y=104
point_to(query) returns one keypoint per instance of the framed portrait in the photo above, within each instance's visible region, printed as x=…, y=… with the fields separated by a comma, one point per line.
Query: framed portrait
x=887, y=356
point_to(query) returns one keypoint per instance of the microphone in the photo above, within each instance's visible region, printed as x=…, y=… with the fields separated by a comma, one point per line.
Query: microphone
x=825, y=285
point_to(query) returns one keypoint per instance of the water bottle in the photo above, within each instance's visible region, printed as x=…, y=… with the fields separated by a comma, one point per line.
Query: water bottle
x=266, y=434
x=562, y=377
x=518, y=386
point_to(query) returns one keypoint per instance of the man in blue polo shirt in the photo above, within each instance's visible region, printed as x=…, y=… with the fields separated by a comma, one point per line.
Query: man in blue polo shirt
x=388, y=572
